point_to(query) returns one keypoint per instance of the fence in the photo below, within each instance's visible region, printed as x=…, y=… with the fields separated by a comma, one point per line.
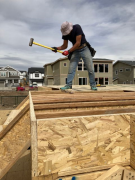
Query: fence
x=11, y=100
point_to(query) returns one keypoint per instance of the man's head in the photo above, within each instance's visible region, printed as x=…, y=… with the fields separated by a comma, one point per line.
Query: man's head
x=66, y=28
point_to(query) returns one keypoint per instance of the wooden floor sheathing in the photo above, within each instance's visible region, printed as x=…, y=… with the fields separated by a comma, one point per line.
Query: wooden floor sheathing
x=82, y=132
x=71, y=134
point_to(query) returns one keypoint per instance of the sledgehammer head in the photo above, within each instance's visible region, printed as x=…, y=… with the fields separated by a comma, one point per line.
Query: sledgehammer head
x=31, y=41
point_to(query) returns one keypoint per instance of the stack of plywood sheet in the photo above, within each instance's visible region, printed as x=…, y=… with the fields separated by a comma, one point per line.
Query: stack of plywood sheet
x=81, y=132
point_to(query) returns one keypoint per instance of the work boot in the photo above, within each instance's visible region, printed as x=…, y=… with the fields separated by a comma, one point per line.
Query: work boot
x=94, y=88
x=66, y=87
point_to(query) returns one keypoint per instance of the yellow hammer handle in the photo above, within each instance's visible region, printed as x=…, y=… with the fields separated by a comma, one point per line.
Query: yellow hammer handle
x=46, y=47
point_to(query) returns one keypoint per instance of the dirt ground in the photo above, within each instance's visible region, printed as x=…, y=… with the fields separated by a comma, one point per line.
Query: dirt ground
x=3, y=115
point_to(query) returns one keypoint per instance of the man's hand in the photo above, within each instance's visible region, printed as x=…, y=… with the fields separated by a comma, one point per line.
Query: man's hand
x=55, y=49
x=65, y=53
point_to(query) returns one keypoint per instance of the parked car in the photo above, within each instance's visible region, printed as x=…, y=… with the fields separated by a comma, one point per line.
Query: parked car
x=34, y=84
x=19, y=88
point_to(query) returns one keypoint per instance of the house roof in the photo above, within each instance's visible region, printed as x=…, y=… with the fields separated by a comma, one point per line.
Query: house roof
x=65, y=58
x=131, y=63
x=34, y=69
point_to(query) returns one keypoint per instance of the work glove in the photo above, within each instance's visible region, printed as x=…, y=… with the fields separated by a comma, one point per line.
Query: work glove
x=65, y=53
x=55, y=49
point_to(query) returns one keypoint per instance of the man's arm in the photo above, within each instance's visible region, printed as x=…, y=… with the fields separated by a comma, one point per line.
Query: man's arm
x=64, y=46
x=77, y=44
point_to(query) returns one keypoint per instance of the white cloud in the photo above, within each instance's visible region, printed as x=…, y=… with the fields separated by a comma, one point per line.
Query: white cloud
x=108, y=25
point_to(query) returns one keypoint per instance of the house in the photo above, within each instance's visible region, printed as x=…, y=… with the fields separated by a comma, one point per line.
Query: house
x=9, y=77
x=23, y=74
x=56, y=72
x=124, y=72
x=36, y=74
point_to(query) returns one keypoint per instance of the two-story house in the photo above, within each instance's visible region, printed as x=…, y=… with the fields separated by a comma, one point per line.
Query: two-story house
x=36, y=74
x=124, y=72
x=56, y=72
x=9, y=77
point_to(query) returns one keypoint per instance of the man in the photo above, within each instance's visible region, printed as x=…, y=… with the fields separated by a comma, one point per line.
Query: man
x=79, y=50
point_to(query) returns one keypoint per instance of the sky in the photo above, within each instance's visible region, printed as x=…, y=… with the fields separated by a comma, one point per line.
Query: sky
x=109, y=26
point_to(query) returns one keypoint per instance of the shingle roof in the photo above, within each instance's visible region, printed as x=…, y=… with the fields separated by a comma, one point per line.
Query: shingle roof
x=131, y=63
x=34, y=69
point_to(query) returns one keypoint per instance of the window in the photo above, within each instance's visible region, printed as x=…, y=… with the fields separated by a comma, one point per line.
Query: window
x=3, y=73
x=120, y=70
x=66, y=80
x=116, y=72
x=82, y=81
x=16, y=81
x=101, y=67
x=80, y=67
x=106, y=81
x=36, y=75
x=128, y=69
x=96, y=80
x=65, y=64
x=95, y=68
x=106, y=67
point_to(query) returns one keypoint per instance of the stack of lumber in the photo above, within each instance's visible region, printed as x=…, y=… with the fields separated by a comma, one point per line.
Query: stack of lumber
x=81, y=132
x=14, y=137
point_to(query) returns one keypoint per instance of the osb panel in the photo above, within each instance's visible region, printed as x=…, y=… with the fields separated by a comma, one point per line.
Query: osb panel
x=14, y=141
x=132, y=140
x=81, y=142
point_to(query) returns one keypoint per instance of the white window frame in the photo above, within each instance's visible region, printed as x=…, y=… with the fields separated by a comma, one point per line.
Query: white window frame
x=36, y=73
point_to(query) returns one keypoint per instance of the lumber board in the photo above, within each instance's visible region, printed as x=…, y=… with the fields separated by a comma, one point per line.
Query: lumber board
x=12, y=123
x=83, y=104
x=11, y=116
x=79, y=99
x=115, y=173
x=83, y=144
x=132, y=140
x=33, y=138
x=23, y=103
x=14, y=142
x=43, y=115
x=129, y=175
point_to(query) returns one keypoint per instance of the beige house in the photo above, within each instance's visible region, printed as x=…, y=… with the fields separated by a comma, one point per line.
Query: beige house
x=56, y=72
x=124, y=72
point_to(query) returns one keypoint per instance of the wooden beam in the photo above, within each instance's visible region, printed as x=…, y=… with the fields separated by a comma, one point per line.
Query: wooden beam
x=79, y=99
x=43, y=115
x=88, y=170
x=83, y=104
x=115, y=172
x=13, y=122
x=33, y=139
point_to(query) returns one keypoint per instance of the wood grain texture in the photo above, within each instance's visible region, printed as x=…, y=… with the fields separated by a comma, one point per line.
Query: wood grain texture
x=14, y=143
x=132, y=140
x=94, y=142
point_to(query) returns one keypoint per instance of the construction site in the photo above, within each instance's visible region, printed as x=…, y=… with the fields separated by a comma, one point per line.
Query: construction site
x=54, y=134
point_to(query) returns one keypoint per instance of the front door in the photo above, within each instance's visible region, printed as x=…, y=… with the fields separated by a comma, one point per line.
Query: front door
x=101, y=81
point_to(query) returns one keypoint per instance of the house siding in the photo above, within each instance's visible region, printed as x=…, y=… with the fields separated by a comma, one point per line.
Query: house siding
x=126, y=77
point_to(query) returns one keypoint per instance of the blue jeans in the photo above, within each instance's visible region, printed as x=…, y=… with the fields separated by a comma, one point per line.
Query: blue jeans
x=85, y=54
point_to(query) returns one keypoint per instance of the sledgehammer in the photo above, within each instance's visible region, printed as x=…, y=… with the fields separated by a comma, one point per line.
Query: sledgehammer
x=32, y=42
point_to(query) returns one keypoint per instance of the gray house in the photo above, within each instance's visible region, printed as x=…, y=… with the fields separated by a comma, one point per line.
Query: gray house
x=9, y=77
x=124, y=72
x=56, y=72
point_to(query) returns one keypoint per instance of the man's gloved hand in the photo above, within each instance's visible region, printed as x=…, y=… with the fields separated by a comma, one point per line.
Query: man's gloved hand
x=55, y=49
x=65, y=53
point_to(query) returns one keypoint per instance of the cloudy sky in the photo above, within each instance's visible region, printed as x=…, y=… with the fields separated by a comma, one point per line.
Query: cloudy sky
x=109, y=26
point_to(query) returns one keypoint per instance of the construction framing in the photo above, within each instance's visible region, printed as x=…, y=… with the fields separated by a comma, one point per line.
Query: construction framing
x=81, y=133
